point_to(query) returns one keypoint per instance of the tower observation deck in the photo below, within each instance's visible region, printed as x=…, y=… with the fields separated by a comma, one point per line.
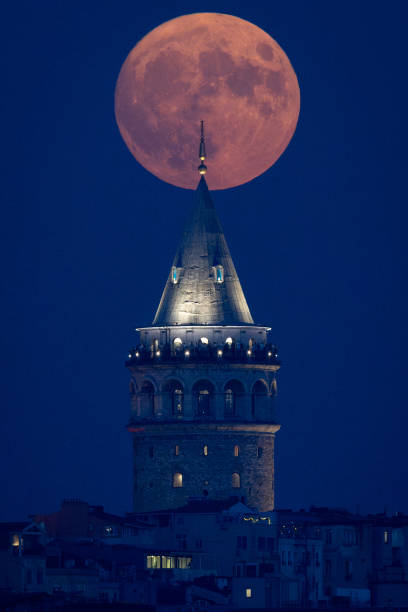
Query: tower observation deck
x=203, y=380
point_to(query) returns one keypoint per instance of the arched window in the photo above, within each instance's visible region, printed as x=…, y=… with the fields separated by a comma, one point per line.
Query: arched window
x=259, y=391
x=174, y=397
x=236, y=480
x=204, y=340
x=132, y=388
x=147, y=398
x=177, y=345
x=229, y=342
x=177, y=480
x=260, y=451
x=233, y=391
x=236, y=451
x=203, y=391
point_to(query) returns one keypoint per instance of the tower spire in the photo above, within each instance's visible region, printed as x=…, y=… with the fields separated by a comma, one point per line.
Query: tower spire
x=202, y=168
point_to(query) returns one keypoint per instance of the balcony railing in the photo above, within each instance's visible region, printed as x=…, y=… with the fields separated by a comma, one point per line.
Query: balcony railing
x=204, y=354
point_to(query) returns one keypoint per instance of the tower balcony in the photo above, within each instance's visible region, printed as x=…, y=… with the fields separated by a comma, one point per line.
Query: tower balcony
x=200, y=353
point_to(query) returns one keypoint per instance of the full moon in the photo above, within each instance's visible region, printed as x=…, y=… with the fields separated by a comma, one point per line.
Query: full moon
x=212, y=67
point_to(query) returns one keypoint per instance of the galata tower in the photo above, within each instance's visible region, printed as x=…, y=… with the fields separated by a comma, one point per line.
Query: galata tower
x=203, y=383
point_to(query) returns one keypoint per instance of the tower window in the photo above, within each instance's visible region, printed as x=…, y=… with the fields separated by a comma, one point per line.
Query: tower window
x=236, y=480
x=248, y=593
x=177, y=401
x=260, y=451
x=205, y=450
x=229, y=402
x=177, y=480
x=177, y=450
x=218, y=274
x=151, y=451
x=175, y=275
x=202, y=393
x=236, y=451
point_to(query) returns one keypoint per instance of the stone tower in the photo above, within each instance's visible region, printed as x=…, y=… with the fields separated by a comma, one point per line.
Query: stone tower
x=203, y=381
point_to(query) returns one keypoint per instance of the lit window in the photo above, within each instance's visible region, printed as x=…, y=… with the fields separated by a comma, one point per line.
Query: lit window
x=177, y=479
x=177, y=450
x=205, y=450
x=168, y=562
x=386, y=537
x=153, y=562
x=177, y=342
x=175, y=275
x=236, y=451
x=204, y=340
x=248, y=593
x=236, y=480
x=228, y=341
x=183, y=562
x=218, y=274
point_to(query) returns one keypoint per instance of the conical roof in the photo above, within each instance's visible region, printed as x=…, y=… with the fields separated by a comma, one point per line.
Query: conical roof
x=203, y=287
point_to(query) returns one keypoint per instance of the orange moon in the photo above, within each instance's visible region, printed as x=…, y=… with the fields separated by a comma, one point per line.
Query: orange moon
x=212, y=67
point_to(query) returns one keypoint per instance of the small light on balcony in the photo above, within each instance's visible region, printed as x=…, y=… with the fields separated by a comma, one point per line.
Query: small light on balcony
x=249, y=352
x=219, y=353
x=269, y=354
x=187, y=353
x=157, y=353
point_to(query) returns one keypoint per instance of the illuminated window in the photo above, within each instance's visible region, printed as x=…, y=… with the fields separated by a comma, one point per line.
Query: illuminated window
x=236, y=451
x=168, y=562
x=218, y=274
x=386, y=537
x=228, y=341
x=248, y=593
x=175, y=275
x=177, y=341
x=153, y=562
x=177, y=450
x=204, y=340
x=205, y=450
x=183, y=562
x=236, y=480
x=177, y=480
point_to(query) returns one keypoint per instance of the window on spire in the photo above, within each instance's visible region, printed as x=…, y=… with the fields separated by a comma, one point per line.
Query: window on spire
x=218, y=272
x=175, y=275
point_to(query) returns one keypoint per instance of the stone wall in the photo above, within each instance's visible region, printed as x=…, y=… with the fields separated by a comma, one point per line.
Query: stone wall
x=206, y=457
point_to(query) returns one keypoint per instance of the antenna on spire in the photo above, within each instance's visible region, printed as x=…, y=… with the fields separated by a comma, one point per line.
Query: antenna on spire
x=202, y=168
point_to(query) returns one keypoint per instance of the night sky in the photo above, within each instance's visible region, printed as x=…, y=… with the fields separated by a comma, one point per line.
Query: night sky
x=319, y=243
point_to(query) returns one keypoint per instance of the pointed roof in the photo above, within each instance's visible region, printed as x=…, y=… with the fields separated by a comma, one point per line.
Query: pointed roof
x=197, y=292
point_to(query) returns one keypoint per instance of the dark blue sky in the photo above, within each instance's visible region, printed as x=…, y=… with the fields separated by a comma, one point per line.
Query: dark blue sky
x=319, y=242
